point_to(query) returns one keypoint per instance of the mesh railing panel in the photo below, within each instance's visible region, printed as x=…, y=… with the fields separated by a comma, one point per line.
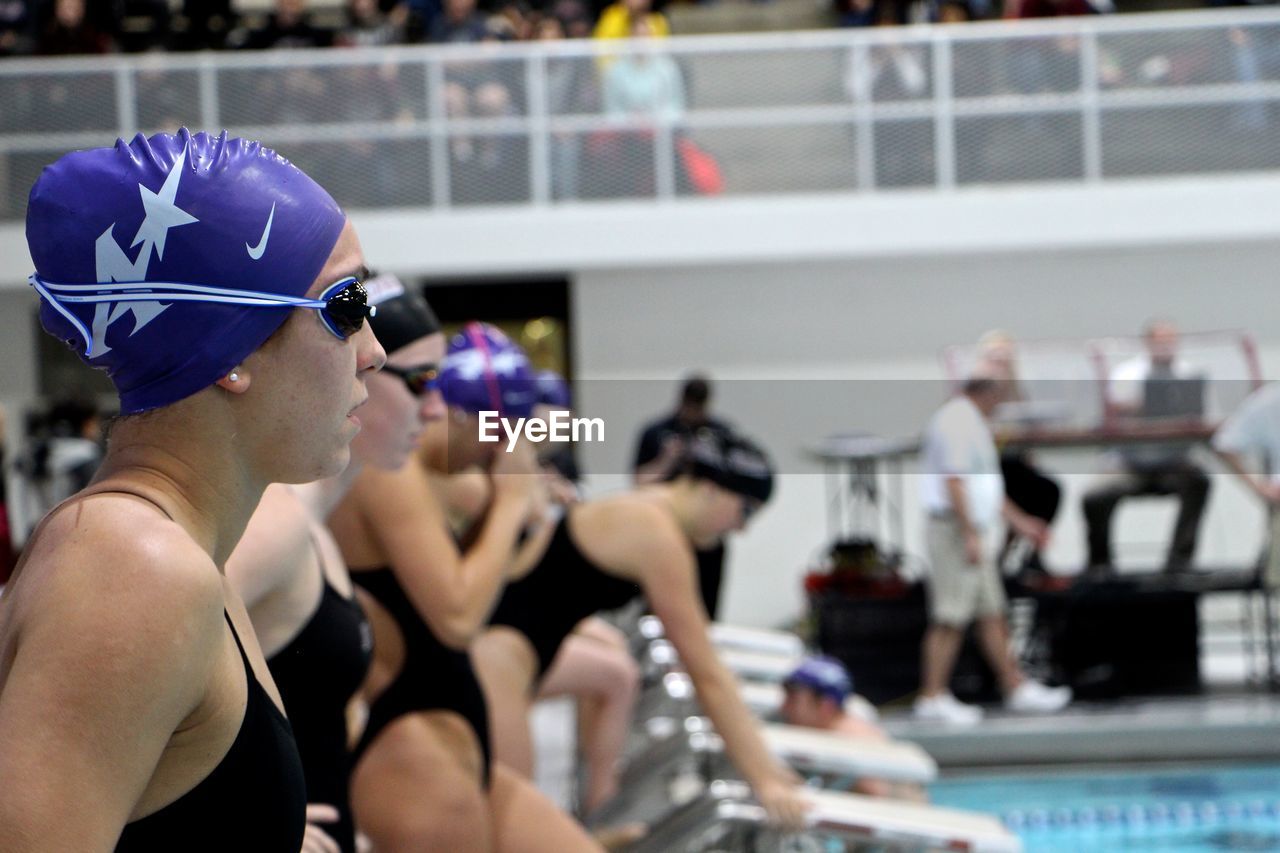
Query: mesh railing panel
x=1089, y=99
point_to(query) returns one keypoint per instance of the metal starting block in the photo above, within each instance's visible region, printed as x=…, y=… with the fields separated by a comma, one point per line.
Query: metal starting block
x=725, y=818
x=675, y=768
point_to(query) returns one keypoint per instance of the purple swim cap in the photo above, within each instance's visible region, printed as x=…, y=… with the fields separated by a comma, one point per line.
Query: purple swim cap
x=553, y=390
x=485, y=371
x=196, y=218
x=823, y=675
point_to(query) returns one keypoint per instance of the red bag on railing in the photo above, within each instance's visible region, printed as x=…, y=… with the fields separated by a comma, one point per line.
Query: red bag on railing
x=700, y=168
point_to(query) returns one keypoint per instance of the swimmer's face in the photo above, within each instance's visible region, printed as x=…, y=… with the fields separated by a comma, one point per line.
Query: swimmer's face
x=309, y=383
x=721, y=512
x=804, y=707
x=395, y=416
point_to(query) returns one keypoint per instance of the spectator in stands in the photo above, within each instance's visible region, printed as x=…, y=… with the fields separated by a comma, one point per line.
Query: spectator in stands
x=958, y=11
x=520, y=18
x=571, y=90
x=209, y=23
x=68, y=32
x=374, y=172
x=1056, y=8
x=460, y=23
x=140, y=25
x=484, y=167
x=1156, y=386
x=16, y=25
x=645, y=81
x=617, y=20
x=893, y=70
x=574, y=18
x=368, y=26
x=857, y=13
x=662, y=454
x=289, y=26
x=1024, y=484
x=1253, y=431
x=963, y=494
x=816, y=696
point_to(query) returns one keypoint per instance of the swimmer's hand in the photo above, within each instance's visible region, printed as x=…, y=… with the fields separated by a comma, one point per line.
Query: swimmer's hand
x=316, y=840
x=516, y=476
x=783, y=799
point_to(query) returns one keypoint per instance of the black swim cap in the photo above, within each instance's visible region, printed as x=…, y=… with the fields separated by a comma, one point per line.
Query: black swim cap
x=403, y=316
x=731, y=461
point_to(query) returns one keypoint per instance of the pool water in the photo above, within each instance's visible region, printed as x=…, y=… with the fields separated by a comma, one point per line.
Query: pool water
x=1190, y=809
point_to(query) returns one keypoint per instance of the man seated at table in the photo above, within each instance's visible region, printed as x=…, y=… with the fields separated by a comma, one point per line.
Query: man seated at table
x=815, y=698
x=1156, y=386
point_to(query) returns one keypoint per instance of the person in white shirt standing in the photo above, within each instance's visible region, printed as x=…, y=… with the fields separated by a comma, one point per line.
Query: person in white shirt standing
x=963, y=493
x=1254, y=430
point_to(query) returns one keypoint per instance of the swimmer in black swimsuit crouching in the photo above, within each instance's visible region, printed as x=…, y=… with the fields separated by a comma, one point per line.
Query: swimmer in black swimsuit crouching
x=606, y=551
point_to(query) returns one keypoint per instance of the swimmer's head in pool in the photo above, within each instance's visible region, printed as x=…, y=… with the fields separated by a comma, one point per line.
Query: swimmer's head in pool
x=823, y=675
x=165, y=261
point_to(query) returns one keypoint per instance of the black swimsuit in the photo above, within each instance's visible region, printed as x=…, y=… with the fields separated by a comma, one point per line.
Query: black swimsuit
x=254, y=800
x=434, y=676
x=562, y=590
x=317, y=673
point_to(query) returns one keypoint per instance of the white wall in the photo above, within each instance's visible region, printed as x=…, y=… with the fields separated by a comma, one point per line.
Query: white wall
x=886, y=319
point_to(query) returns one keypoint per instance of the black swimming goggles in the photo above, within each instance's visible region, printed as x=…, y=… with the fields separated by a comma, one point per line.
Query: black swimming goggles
x=419, y=380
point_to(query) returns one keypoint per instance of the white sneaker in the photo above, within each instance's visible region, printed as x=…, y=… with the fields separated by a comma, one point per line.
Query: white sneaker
x=1032, y=697
x=945, y=708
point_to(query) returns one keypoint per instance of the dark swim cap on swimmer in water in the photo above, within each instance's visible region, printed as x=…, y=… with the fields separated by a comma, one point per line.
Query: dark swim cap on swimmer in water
x=403, y=316
x=485, y=371
x=732, y=462
x=218, y=230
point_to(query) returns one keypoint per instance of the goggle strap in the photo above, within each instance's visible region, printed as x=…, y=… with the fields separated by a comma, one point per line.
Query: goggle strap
x=56, y=294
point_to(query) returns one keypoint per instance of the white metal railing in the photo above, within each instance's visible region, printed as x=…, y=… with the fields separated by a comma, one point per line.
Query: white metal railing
x=1080, y=99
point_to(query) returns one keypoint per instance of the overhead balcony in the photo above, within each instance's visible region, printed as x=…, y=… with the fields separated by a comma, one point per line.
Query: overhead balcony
x=488, y=158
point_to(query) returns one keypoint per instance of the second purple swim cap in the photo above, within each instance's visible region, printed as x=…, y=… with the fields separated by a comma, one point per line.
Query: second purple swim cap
x=485, y=371
x=185, y=214
x=553, y=390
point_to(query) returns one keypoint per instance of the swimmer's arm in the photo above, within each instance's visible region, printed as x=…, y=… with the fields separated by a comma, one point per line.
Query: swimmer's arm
x=113, y=656
x=532, y=549
x=667, y=570
x=275, y=547
x=453, y=592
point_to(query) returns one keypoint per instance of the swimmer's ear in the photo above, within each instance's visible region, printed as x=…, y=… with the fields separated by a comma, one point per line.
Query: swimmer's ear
x=235, y=382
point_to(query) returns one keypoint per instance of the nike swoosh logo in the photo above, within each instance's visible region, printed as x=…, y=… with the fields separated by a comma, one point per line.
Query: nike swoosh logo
x=255, y=252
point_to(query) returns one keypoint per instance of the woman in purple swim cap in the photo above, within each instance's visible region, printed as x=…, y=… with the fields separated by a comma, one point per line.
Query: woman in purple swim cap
x=137, y=711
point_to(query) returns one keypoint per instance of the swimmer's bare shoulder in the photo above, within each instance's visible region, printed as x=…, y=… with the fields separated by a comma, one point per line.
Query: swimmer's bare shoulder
x=108, y=639
x=628, y=533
